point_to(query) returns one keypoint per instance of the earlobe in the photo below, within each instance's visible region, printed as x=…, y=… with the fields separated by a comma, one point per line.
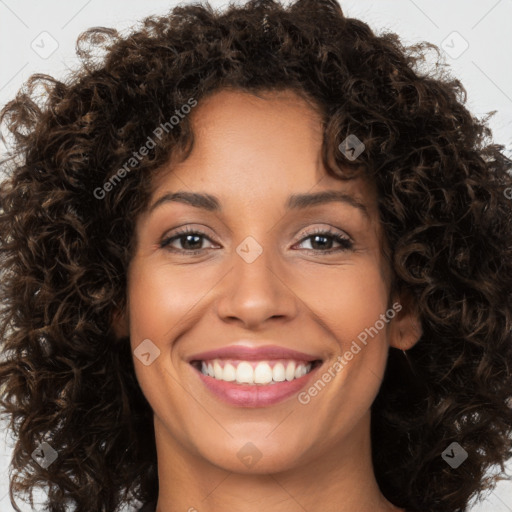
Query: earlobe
x=405, y=328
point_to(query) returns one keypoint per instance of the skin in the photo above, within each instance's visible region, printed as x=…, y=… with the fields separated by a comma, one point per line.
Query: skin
x=252, y=152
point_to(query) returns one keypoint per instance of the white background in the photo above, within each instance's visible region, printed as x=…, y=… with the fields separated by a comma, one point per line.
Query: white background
x=30, y=29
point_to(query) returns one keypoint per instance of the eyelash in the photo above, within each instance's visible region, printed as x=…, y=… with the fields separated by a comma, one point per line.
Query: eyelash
x=346, y=243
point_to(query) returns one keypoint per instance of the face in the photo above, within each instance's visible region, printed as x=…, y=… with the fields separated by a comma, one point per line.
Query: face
x=263, y=284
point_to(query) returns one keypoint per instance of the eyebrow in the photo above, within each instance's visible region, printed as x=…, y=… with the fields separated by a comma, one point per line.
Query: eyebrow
x=294, y=202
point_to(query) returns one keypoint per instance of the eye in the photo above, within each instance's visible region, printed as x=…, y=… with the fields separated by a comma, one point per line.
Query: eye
x=322, y=239
x=191, y=241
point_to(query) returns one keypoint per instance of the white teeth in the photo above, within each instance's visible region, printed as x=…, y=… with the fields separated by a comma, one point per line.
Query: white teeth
x=245, y=372
x=300, y=371
x=290, y=371
x=278, y=373
x=263, y=374
x=229, y=374
x=217, y=370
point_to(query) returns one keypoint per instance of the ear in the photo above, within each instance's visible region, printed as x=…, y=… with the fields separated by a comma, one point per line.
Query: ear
x=120, y=323
x=405, y=328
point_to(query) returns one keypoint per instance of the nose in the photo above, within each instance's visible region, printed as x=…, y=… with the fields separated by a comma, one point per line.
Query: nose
x=254, y=292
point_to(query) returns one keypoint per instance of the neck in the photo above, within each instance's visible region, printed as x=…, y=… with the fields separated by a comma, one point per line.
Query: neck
x=334, y=478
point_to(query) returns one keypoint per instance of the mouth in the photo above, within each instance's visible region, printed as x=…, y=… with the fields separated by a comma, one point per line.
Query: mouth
x=255, y=373
x=246, y=376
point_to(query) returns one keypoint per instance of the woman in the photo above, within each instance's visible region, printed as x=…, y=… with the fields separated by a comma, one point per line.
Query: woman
x=254, y=260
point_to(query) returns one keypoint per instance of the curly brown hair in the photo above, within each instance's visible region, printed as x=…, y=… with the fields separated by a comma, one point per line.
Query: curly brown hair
x=68, y=380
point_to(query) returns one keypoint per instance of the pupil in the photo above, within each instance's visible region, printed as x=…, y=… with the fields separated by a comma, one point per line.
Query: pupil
x=316, y=237
x=187, y=237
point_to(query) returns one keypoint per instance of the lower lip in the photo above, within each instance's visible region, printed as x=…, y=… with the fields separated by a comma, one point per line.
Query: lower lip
x=244, y=395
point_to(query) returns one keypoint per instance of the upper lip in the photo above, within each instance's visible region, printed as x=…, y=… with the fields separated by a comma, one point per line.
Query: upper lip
x=251, y=353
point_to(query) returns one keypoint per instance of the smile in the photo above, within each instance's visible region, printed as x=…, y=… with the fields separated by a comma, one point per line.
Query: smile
x=255, y=372
x=245, y=375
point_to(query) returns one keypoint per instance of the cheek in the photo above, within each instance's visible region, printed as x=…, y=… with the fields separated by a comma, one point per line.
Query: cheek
x=347, y=301
x=161, y=298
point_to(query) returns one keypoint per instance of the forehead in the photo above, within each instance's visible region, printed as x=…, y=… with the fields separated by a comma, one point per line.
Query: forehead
x=269, y=143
